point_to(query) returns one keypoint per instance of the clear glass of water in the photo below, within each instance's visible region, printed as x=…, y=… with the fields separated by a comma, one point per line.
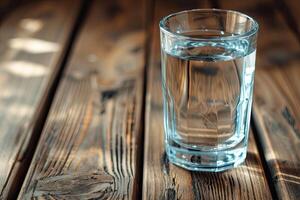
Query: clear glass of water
x=208, y=63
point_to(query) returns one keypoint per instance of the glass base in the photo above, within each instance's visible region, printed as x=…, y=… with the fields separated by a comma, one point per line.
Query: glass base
x=208, y=161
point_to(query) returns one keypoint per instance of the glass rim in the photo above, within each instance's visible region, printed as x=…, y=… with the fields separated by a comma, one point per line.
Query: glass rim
x=253, y=30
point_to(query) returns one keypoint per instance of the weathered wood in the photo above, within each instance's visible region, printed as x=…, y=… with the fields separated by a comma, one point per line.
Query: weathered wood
x=277, y=94
x=32, y=44
x=163, y=180
x=90, y=145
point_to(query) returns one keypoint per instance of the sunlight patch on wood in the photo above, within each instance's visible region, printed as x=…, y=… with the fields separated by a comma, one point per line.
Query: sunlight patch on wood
x=24, y=68
x=20, y=111
x=31, y=25
x=253, y=169
x=33, y=45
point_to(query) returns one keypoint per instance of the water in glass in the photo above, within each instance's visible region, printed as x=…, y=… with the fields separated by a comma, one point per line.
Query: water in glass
x=207, y=89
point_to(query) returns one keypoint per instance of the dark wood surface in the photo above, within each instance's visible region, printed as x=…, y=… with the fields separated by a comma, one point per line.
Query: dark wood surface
x=291, y=9
x=276, y=106
x=89, y=148
x=163, y=180
x=32, y=46
x=103, y=136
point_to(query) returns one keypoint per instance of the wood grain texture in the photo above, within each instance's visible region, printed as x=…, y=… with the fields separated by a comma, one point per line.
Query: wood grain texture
x=163, y=180
x=90, y=145
x=32, y=44
x=277, y=94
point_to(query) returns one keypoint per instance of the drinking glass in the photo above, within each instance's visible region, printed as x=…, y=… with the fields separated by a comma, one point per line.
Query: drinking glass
x=208, y=63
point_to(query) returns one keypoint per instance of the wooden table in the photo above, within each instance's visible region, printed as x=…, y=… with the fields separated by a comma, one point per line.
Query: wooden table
x=81, y=104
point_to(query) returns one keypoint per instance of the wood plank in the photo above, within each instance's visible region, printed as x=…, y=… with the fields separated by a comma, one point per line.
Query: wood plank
x=90, y=146
x=277, y=94
x=32, y=44
x=163, y=180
